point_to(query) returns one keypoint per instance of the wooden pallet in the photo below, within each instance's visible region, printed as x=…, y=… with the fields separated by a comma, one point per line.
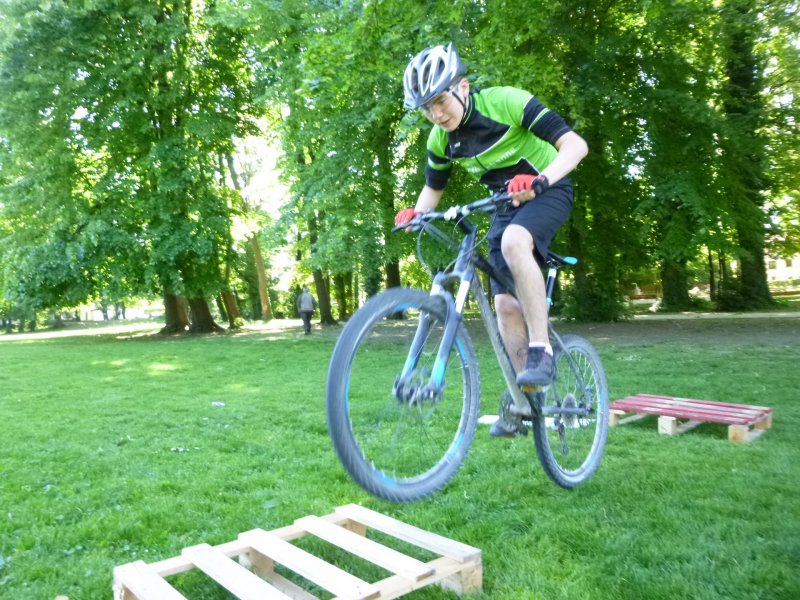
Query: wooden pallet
x=745, y=422
x=458, y=567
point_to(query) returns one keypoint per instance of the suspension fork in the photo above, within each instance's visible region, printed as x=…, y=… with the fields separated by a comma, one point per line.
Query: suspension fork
x=464, y=273
x=453, y=311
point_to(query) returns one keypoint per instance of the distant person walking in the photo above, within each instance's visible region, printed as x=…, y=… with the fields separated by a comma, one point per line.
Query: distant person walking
x=305, y=306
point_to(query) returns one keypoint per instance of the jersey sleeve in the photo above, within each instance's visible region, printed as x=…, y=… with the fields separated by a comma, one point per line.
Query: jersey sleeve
x=542, y=122
x=439, y=164
x=518, y=107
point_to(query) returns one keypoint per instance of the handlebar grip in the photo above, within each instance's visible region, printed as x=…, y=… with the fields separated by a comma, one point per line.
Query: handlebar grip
x=413, y=224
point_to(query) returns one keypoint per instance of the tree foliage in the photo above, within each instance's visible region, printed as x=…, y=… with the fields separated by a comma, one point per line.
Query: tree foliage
x=118, y=118
x=115, y=114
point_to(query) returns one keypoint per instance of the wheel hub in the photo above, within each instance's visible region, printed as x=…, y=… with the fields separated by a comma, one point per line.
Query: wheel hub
x=416, y=390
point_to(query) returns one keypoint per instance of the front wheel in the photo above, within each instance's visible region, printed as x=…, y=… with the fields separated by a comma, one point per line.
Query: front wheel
x=570, y=431
x=398, y=436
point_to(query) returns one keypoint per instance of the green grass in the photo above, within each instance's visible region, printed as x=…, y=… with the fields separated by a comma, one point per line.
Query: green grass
x=113, y=450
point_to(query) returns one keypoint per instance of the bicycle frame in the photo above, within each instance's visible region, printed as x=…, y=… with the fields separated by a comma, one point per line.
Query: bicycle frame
x=468, y=262
x=409, y=443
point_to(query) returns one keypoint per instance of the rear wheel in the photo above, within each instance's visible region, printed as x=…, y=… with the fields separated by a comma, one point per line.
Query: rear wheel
x=398, y=437
x=570, y=432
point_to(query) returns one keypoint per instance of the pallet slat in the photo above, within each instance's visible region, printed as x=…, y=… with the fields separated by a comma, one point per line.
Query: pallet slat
x=383, y=556
x=715, y=403
x=408, y=533
x=139, y=579
x=309, y=566
x=231, y=575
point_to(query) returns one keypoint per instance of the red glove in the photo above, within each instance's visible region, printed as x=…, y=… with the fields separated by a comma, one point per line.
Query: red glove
x=522, y=183
x=404, y=216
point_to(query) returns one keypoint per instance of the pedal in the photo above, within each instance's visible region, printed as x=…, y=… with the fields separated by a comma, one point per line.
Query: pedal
x=533, y=389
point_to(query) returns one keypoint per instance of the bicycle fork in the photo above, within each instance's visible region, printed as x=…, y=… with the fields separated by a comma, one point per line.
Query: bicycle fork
x=408, y=387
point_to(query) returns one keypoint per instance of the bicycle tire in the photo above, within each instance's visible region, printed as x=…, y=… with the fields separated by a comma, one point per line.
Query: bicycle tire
x=570, y=447
x=400, y=451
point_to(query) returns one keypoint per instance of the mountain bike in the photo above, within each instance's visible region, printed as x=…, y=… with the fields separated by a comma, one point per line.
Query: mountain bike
x=403, y=386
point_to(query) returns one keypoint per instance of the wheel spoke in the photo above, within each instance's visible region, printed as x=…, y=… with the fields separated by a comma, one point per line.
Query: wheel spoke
x=570, y=450
x=409, y=444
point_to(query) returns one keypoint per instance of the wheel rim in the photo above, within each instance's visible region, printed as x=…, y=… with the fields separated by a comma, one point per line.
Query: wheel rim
x=405, y=438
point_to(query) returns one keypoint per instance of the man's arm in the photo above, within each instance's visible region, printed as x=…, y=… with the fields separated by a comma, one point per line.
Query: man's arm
x=428, y=199
x=571, y=150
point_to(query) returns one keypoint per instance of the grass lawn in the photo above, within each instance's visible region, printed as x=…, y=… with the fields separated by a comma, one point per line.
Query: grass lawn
x=117, y=448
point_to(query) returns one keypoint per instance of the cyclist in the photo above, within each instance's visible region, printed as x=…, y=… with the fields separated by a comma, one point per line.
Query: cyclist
x=510, y=142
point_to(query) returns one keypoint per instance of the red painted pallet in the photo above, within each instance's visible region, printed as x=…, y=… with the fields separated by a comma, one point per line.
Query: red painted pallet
x=745, y=422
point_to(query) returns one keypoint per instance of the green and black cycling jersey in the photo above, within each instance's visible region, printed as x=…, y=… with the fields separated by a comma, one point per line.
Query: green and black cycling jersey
x=506, y=132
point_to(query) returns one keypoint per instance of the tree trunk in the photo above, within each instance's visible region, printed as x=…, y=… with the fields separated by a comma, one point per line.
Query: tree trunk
x=354, y=292
x=221, y=307
x=340, y=285
x=263, y=289
x=724, y=272
x=753, y=285
x=202, y=321
x=232, y=310
x=674, y=282
x=175, y=314
x=712, y=284
x=393, y=280
x=321, y=282
x=393, y=275
x=596, y=291
x=323, y=287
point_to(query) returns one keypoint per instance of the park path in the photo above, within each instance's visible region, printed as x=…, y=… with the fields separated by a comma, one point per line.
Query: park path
x=137, y=328
x=718, y=315
x=278, y=325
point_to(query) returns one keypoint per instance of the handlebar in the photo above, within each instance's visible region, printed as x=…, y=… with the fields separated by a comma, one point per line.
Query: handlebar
x=489, y=204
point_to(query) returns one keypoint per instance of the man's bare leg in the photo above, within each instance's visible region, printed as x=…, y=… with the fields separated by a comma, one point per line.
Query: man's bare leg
x=517, y=246
x=522, y=320
x=513, y=329
x=515, y=339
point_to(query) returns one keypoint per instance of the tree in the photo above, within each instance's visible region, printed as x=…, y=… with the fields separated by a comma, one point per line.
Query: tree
x=677, y=145
x=781, y=82
x=743, y=161
x=583, y=58
x=116, y=144
x=252, y=241
x=349, y=155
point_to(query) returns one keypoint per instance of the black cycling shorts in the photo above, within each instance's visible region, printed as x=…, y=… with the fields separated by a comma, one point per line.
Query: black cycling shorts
x=541, y=216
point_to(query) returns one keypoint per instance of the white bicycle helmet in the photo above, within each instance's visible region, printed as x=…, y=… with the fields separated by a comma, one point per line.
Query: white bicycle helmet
x=430, y=73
